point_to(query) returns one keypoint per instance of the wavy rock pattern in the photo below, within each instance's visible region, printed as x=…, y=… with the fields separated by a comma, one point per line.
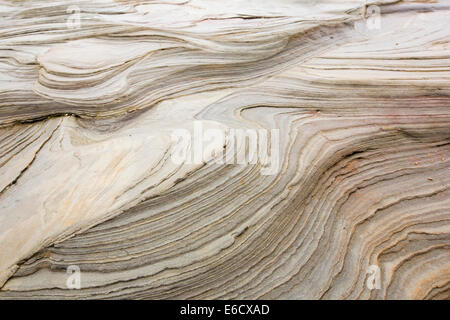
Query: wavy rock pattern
x=87, y=114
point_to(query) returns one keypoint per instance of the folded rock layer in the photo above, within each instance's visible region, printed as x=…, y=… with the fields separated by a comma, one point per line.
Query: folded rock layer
x=351, y=200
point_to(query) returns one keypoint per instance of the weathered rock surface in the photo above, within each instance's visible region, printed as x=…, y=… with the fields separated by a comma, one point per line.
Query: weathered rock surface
x=87, y=113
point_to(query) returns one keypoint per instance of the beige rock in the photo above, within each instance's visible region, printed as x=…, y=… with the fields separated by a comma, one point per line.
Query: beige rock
x=348, y=197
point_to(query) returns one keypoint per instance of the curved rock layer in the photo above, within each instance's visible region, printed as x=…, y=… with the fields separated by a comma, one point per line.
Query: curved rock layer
x=361, y=189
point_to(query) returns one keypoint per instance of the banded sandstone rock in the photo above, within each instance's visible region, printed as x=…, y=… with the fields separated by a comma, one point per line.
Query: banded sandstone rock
x=92, y=92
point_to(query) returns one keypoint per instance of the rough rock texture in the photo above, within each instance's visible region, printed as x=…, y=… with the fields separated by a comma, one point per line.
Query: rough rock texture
x=87, y=112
